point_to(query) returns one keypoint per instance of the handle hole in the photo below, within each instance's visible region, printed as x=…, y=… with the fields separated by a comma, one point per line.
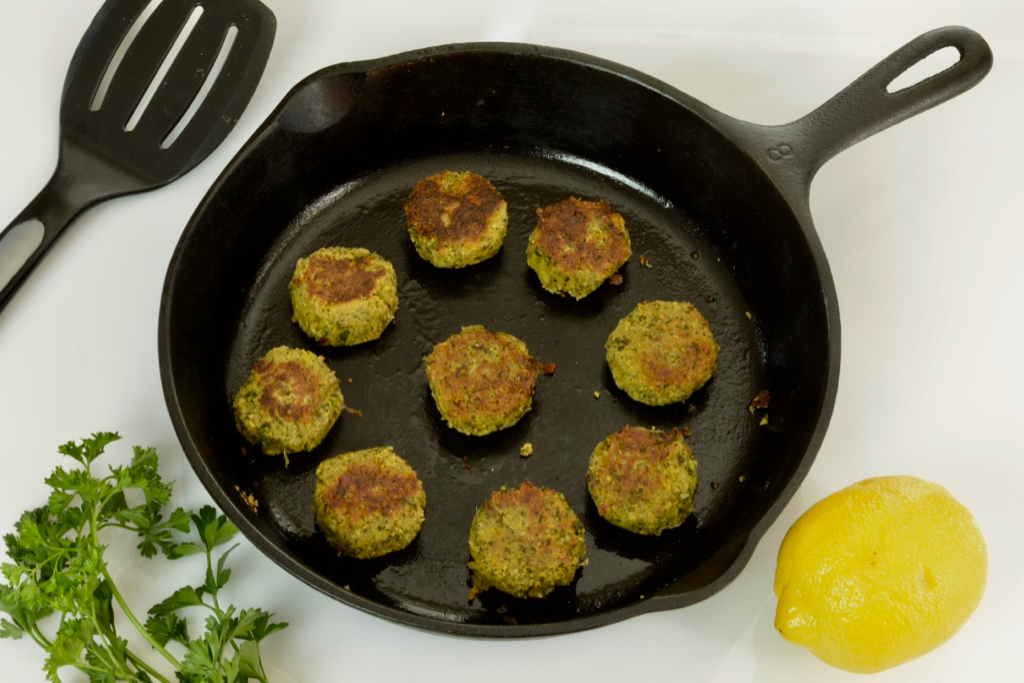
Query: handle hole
x=16, y=246
x=932, y=65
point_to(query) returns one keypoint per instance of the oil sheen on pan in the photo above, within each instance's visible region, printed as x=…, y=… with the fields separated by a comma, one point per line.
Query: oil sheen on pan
x=576, y=406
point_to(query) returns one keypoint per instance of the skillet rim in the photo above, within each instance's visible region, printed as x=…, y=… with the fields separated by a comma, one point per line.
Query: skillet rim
x=743, y=136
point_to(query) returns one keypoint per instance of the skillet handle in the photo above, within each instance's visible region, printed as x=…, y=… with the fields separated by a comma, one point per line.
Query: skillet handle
x=867, y=107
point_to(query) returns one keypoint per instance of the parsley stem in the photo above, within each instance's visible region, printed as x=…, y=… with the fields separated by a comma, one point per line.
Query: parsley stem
x=86, y=668
x=59, y=569
x=130, y=658
x=140, y=664
x=104, y=642
x=38, y=636
x=135, y=622
x=213, y=593
x=93, y=527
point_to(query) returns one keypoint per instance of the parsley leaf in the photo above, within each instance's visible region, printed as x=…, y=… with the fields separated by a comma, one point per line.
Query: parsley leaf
x=57, y=567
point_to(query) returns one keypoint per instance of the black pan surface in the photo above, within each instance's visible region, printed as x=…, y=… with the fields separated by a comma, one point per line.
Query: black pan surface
x=334, y=165
x=575, y=408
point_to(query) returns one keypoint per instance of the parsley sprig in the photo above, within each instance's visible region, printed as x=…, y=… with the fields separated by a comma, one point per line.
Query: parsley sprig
x=59, y=591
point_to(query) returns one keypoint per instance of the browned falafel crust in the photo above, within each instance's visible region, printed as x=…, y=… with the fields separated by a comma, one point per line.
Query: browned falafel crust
x=369, y=503
x=662, y=352
x=343, y=296
x=577, y=245
x=456, y=219
x=643, y=480
x=289, y=402
x=340, y=280
x=482, y=381
x=525, y=542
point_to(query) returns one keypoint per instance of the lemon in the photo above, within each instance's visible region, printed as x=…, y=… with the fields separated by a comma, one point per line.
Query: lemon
x=879, y=573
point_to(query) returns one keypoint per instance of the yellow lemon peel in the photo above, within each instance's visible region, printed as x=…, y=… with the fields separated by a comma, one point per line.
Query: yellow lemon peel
x=879, y=573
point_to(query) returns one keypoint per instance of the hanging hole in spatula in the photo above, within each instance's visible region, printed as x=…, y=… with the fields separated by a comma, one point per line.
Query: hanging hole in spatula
x=16, y=247
x=142, y=105
x=930, y=66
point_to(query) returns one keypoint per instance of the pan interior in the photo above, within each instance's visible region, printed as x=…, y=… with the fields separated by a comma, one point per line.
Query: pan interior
x=706, y=227
x=574, y=409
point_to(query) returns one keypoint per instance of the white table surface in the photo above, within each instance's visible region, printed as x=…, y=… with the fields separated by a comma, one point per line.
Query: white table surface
x=921, y=223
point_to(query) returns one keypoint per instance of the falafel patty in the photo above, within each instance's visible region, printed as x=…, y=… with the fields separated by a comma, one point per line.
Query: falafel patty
x=289, y=402
x=368, y=503
x=525, y=541
x=482, y=381
x=342, y=296
x=643, y=480
x=577, y=245
x=662, y=352
x=456, y=219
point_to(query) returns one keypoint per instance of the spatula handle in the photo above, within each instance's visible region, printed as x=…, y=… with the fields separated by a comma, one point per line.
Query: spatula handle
x=52, y=209
x=81, y=180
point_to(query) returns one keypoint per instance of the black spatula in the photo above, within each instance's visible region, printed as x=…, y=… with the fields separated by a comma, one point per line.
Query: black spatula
x=138, y=124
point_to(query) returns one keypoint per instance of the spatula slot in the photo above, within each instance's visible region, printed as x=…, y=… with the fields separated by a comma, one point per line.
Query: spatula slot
x=177, y=74
x=186, y=31
x=211, y=79
x=115, y=62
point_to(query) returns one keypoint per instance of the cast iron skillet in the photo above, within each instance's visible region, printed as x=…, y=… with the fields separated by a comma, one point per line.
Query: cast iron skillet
x=718, y=214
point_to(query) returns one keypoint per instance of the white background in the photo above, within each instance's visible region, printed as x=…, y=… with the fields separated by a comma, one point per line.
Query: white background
x=921, y=223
